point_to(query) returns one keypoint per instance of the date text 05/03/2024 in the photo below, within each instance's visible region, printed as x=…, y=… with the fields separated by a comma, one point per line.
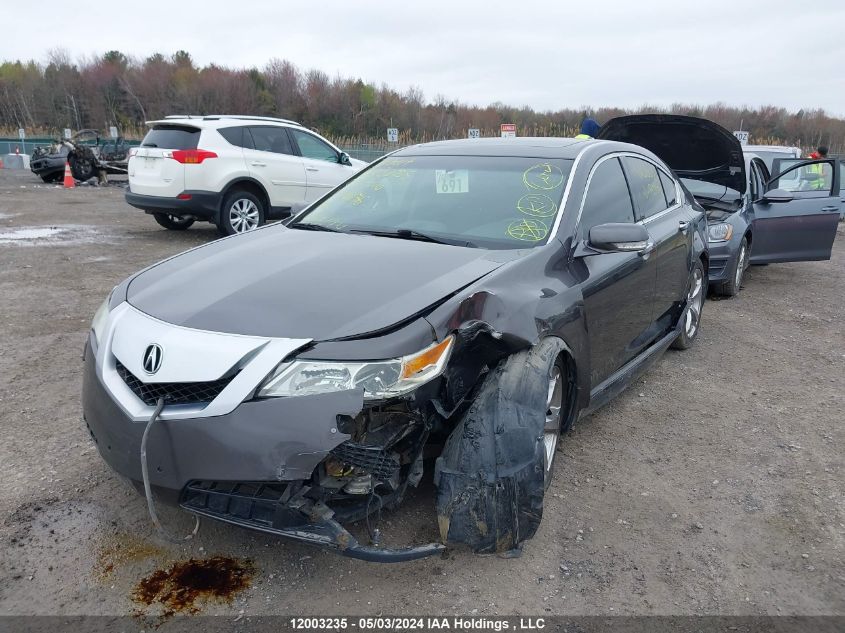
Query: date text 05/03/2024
x=386, y=623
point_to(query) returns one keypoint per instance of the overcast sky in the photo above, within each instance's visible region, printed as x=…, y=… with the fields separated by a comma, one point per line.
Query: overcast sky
x=546, y=55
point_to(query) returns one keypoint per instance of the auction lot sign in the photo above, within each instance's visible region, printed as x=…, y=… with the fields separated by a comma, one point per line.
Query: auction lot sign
x=508, y=130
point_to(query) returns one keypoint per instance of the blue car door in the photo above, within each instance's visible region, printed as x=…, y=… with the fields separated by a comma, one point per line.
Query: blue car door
x=796, y=219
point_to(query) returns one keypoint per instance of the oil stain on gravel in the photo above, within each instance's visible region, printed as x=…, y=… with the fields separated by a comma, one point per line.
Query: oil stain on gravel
x=182, y=587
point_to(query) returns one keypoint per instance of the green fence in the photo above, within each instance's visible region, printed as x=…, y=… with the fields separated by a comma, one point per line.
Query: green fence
x=365, y=152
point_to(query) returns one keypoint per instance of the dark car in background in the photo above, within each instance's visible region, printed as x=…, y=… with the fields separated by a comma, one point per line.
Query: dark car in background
x=87, y=154
x=465, y=300
x=751, y=217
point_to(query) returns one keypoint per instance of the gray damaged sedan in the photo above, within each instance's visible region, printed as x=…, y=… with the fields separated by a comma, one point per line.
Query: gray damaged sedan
x=463, y=300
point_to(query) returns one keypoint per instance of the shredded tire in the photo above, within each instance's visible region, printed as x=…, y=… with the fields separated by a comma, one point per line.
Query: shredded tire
x=489, y=476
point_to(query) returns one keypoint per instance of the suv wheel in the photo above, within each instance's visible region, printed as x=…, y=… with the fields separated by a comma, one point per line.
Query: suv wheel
x=242, y=212
x=82, y=168
x=174, y=222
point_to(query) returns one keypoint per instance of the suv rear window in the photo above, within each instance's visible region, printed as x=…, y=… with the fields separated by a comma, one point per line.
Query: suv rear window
x=172, y=137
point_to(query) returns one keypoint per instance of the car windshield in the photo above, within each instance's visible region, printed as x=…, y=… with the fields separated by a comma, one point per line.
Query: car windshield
x=481, y=201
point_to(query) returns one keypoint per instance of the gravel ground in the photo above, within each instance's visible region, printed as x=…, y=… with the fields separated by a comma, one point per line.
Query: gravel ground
x=712, y=486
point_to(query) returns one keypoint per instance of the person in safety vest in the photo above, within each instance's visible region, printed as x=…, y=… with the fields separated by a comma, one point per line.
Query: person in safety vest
x=821, y=169
x=589, y=128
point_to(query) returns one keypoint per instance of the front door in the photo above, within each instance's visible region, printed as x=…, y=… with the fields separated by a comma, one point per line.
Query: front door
x=323, y=168
x=657, y=208
x=801, y=229
x=272, y=162
x=618, y=288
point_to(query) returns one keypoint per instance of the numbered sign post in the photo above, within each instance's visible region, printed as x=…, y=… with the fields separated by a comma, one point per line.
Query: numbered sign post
x=508, y=130
x=392, y=135
x=22, y=137
x=474, y=132
x=113, y=131
x=742, y=136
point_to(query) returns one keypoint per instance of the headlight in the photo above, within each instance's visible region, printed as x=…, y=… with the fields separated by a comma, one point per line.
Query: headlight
x=720, y=232
x=379, y=379
x=100, y=318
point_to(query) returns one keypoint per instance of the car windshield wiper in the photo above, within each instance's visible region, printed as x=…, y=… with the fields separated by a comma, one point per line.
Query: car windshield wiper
x=408, y=234
x=308, y=226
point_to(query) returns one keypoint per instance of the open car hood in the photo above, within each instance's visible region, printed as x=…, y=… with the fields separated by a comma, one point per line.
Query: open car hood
x=693, y=148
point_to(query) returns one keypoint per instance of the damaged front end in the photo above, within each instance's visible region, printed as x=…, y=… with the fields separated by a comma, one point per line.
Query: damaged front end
x=360, y=477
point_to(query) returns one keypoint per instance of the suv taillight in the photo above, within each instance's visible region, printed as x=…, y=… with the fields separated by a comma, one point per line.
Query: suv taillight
x=191, y=156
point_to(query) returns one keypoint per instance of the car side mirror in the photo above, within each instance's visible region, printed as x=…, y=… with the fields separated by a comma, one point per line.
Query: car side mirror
x=778, y=195
x=620, y=238
x=344, y=159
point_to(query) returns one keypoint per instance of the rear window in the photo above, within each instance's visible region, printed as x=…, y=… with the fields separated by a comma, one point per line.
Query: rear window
x=172, y=137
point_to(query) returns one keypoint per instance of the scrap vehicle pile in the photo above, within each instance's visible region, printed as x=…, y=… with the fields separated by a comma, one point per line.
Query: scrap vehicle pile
x=87, y=154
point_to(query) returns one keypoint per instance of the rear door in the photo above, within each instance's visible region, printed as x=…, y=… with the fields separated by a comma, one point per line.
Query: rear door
x=618, y=288
x=656, y=205
x=152, y=170
x=323, y=168
x=272, y=161
x=804, y=228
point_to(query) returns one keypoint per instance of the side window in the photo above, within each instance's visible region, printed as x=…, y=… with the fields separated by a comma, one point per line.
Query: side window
x=607, y=199
x=816, y=179
x=670, y=190
x=312, y=147
x=646, y=189
x=270, y=139
x=235, y=135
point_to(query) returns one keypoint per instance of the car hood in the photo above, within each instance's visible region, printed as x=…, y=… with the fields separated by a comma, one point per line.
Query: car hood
x=290, y=283
x=693, y=148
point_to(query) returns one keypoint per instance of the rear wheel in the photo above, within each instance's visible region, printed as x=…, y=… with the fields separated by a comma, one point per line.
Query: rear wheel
x=731, y=287
x=691, y=318
x=242, y=212
x=173, y=222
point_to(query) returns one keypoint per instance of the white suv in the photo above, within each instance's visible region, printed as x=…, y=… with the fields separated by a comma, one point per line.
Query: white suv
x=234, y=171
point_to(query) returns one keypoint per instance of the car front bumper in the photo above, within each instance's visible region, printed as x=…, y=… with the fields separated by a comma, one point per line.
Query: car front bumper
x=723, y=256
x=203, y=205
x=245, y=467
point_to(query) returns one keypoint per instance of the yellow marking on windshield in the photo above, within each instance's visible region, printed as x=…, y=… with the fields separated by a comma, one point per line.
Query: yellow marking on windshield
x=528, y=230
x=542, y=176
x=537, y=204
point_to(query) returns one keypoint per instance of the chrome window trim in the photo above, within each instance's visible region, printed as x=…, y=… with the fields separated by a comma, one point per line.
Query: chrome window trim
x=566, y=191
x=620, y=154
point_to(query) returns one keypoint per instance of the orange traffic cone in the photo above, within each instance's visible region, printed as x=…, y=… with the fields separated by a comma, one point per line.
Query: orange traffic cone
x=69, y=182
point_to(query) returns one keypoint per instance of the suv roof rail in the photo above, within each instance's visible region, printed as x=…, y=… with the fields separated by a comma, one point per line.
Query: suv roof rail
x=242, y=117
x=247, y=117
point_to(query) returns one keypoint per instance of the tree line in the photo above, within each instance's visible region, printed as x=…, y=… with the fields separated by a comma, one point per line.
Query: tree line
x=118, y=90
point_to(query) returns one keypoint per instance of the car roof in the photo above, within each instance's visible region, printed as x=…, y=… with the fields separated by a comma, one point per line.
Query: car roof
x=219, y=120
x=524, y=146
x=771, y=148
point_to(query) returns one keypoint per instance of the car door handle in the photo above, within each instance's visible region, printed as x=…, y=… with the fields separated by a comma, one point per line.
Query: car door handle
x=683, y=226
x=311, y=169
x=257, y=164
x=830, y=208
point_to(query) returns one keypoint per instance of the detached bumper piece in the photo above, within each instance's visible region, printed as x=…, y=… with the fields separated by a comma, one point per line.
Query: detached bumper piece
x=274, y=508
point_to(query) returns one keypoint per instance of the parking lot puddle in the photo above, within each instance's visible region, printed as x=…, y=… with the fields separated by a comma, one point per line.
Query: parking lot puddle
x=49, y=235
x=183, y=586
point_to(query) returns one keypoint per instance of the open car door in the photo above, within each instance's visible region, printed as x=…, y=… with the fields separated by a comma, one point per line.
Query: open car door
x=796, y=218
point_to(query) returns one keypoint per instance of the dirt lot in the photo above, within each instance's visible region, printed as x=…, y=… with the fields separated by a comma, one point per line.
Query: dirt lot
x=715, y=485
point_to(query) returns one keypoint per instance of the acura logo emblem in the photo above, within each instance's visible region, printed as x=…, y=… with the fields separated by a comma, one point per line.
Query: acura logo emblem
x=152, y=358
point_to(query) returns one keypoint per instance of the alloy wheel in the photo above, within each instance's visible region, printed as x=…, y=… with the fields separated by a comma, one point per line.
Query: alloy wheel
x=551, y=428
x=695, y=299
x=740, y=266
x=243, y=215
